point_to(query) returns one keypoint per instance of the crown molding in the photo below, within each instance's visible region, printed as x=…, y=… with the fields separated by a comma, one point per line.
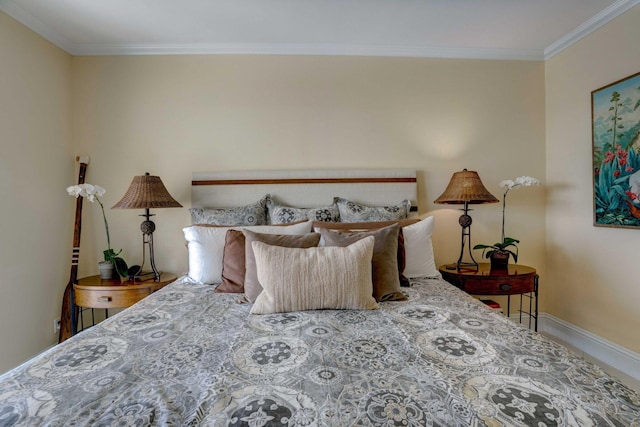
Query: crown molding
x=34, y=24
x=13, y=9
x=613, y=11
x=306, y=49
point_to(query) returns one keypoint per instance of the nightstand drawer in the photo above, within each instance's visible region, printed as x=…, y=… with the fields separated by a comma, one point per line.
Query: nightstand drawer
x=503, y=286
x=109, y=298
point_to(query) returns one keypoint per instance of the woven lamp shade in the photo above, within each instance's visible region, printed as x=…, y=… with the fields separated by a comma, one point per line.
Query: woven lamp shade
x=146, y=192
x=466, y=187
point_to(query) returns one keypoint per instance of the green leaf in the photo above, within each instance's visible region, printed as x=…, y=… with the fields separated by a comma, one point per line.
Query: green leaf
x=110, y=254
x=481, y=247
x=121, y=266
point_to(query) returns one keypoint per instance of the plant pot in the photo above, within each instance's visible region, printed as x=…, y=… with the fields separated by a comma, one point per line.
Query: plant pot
x=499, y=260
x=107, y=270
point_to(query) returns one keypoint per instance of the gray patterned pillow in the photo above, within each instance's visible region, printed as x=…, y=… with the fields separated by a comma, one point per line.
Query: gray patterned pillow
x=282, y=214
x=253, y=214
x=355, y=212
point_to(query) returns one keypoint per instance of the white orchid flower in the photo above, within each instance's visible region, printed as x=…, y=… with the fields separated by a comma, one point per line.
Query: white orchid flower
x=507, y=184
x=92, y=193
x=74, y=190
x=88, y=191
x=526, y=181
x=521, y=181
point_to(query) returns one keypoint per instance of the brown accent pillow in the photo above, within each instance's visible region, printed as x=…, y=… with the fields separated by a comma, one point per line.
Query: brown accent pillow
x=252, y=287
x=233, y=264
x=386, y=283
x=402, y=261
x=376, y=225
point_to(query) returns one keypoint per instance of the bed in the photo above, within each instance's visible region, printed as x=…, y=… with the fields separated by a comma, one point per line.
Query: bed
x=188, y=355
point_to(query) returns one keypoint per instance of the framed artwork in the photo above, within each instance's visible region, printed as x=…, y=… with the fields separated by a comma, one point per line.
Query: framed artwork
x=615, y=118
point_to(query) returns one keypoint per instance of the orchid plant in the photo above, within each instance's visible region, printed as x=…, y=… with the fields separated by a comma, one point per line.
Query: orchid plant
x=93, y=193
x=507, y=242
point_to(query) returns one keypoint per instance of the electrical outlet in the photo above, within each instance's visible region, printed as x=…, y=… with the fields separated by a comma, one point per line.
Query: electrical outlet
x=56, y=326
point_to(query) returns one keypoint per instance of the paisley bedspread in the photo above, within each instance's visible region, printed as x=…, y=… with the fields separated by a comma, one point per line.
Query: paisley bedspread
x=188, y=356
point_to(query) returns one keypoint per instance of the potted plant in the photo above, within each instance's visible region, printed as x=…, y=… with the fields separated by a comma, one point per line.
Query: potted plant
x=499, y=252
x=113, y=266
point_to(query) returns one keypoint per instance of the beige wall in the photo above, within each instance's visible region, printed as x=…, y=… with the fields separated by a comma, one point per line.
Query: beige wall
x=595, y=284
x=174, y=115
x=36, y=165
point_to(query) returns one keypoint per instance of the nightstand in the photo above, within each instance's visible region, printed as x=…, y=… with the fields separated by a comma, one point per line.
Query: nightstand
x=515, y=280
x=93, y=292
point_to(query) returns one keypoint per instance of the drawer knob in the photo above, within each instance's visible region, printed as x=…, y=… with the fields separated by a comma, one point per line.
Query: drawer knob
x=505, y=287
x=104, y=299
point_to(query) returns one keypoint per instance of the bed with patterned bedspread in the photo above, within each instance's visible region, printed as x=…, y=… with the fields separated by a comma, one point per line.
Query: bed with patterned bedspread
x=189, y=356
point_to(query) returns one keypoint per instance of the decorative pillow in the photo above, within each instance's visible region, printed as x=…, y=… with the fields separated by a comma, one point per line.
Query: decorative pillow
x=253, y=214
x=281, y=214
x=362, y=226
x=355, y=212
x=252, y=287
x=418, y=249
x=233, y=263
x=386, y=283
x=314, y=278
x=206, y=247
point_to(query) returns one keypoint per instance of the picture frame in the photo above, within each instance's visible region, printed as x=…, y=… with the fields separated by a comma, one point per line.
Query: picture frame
x=615, y=125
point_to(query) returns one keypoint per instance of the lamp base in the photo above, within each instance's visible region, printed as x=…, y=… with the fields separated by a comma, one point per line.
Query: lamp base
x=145, y=276
x=148, y=227
x=462, y=266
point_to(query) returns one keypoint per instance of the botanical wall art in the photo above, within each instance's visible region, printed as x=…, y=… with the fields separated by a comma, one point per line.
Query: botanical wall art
x=615, y=113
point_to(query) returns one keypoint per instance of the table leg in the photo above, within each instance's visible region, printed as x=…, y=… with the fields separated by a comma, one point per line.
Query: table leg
x=535, y=291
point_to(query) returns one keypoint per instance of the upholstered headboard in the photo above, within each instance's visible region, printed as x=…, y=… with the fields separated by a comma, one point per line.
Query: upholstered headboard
x=304, y=188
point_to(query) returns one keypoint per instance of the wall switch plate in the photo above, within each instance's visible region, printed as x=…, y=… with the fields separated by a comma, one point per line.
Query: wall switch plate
x=56, y=326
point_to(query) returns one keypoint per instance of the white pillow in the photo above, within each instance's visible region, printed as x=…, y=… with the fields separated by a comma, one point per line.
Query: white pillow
x=418, y=249
x=295, y=279
x=206, y=247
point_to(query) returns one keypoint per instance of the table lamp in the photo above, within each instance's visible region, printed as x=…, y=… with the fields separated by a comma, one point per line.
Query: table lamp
x=465, y=188
x=146, y=192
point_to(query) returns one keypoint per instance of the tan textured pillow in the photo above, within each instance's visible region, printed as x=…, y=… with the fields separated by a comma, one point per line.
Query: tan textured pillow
x=376, y=225
x=252, y=287
x=314, y=278
x=386, y=282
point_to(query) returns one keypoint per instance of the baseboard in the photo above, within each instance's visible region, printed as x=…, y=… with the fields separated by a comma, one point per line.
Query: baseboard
x=614, y=355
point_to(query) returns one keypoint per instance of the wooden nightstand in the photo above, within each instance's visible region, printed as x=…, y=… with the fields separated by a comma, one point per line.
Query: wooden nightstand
x=516, y=280
x=94, y=292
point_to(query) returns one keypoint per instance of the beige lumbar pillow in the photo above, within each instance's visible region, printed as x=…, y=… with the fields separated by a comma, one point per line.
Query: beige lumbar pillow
x=252, y=287
x=295, y=279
